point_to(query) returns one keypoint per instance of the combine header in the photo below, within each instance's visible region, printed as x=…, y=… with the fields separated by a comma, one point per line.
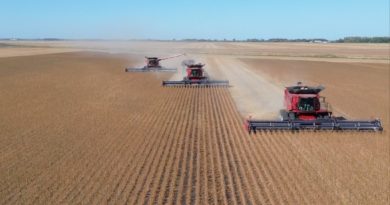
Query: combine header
x=195, y=76
x=153, y=64
x=307, y=110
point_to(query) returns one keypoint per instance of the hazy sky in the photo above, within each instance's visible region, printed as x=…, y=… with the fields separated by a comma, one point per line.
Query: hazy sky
x=179, y=19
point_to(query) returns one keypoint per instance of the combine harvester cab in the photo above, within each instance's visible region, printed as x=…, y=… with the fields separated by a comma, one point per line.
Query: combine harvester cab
x=305, y=109
x=196, y=77
x=153, y=65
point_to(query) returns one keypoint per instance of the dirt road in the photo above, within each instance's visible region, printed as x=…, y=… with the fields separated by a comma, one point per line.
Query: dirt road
x=254, y=95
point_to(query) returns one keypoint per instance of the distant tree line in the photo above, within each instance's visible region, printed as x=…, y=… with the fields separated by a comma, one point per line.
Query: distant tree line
x=296, y=40
x=258, y=40
x=358, y=39
x=353, y=39
x=313, y=40
x=200, y=40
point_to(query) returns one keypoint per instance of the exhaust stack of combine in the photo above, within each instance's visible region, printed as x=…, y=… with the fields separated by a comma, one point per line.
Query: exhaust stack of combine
x=153, y=65
x=196, y=76
x=305, y=109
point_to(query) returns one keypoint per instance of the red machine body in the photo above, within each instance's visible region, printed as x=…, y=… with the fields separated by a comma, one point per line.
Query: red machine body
x=305, y=103
x=305, y=109
x=195, y=72
x=195, y=76
x=153, y=64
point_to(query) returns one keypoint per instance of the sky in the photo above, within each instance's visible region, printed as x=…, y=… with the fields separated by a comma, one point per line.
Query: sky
x=181, y=19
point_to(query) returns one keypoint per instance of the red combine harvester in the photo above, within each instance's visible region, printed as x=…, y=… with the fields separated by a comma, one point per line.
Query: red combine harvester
x=195, y=75
x=306, y=109
x=153, y=64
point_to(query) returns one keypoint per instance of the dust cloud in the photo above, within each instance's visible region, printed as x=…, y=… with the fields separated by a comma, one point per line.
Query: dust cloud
x=253, y=94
